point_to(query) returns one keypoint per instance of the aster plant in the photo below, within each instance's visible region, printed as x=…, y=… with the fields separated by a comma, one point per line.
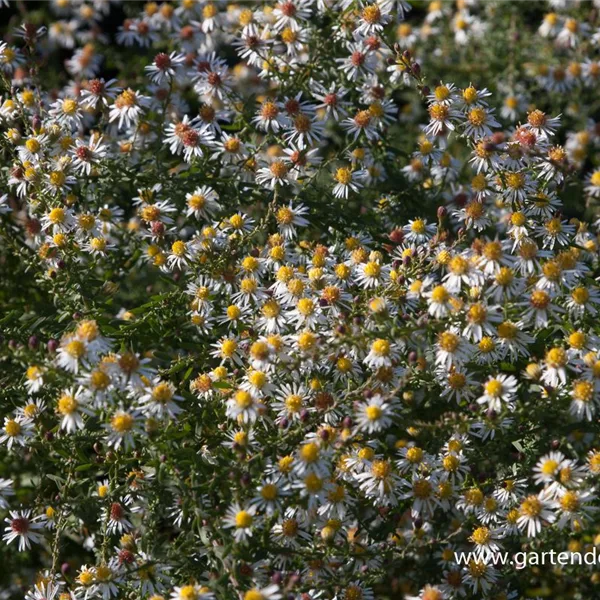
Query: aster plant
x=298, y=299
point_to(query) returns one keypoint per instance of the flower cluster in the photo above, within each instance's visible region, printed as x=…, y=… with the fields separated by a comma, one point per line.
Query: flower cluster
x=288, y=314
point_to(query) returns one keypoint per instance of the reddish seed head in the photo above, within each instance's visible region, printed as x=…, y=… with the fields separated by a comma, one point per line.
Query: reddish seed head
x=30, y=30
x=298, y=158
x=497, y=138
x=525, y=137
x=83, y=153
x=96, y=86
x=214, y=79
x=357, y=58
x=190, y=138
x=378, y=92
x=162, y=61
x=33, y=226
x=20, y=525
x=207, y=113
x=396, y=236
x=330, y=100
x=203, y=66
x=292, y=106
x=186, y=32
x=116, y=511
x=157, y=228
x=143, y=28
x=373, y=43
x=288, y=9
x=126, y=557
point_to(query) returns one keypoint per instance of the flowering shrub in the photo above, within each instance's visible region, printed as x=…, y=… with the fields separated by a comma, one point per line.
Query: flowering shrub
x=298, y=299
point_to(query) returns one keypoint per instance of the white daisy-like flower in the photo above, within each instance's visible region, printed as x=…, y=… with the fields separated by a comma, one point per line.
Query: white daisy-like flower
x=584, y=400
x=498, y=391
x=534, y=511
x=128, y=107
x=159, y=399
x=71, y=406
x=72, y=353
x=21, y=526
x=418, y=231
x=16, y=430
x=195, y=591
x=485, y=541
x=347, y=180
x=381, y=354
x=202, y=202
x=376, y=414
x=452, y=349
x=165, y=67
x=242, y=520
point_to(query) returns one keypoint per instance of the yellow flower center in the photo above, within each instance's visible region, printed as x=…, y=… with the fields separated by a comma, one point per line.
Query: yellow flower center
x=343, y=175
x=477, y=116
x=122, y=422
x=505, y=276
x=269, y=491
x=422, y=488
x=69, y=106
x=580, y=295
x=75, y=349
x=313, y=483
x=549, y=467
x=353, y=592
x=373, y=413
x=583, y=391
x=531, y=507
x=493, y=388
x=577, y=340
x=486, y=345
x=381, y=347
x=515, y=180
x=569, y=502
x=481, y=536
x=540, y=299
x=458, y=265
x=556, y=358
x=243, y=519
x=441, y=93
x=309, y=452
x=477, y=314
x=67, y=404
x=243, y=399
x=228, y=348
x=33, y=145
x=380, y=469
x=448, y=341
x=457, y=381
x=293, y=403
x=57, y=215
x=162, y=392
x=306, y=307
x=12, y=428
x=188, y=592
